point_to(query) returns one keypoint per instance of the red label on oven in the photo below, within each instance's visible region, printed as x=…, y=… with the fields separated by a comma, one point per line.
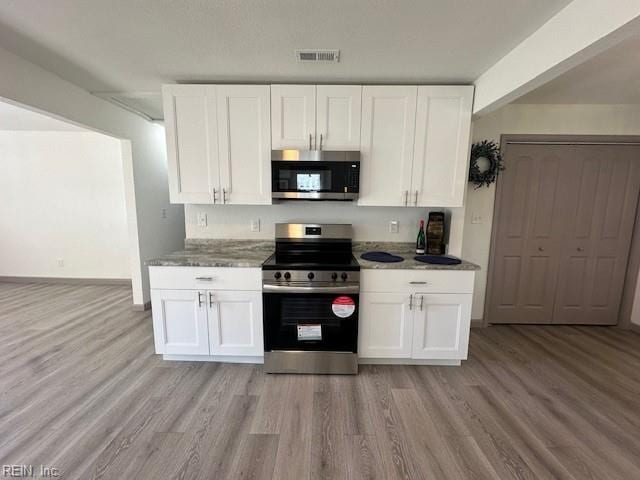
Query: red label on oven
x=343, y=307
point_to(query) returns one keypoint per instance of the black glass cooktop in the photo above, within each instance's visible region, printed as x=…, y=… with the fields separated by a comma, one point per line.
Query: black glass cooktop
x=348, y=263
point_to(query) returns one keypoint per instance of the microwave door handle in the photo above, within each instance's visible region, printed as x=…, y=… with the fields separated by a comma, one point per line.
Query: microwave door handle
x=310, y=145
x=320, y=142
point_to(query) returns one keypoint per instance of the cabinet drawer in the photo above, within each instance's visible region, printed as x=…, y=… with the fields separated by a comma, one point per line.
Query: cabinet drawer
x=419, y=281
x=205, y=278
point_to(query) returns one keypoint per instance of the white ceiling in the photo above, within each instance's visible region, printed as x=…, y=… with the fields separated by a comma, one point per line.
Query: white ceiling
x=17, y=118
x=132, y=46
x=611, y=77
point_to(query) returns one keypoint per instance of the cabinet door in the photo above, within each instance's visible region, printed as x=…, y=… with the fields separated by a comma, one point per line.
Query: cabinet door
x=441, y=326
x=192, y=142
x=180, y=322
x=338, y=113
x=385, y=326
x=244, y=144
x=293, y=117
x=386, y=144
x=441, y=154
x=235, y=323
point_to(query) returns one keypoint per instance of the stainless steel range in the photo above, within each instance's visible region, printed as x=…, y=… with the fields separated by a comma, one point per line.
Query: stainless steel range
x=311, y=287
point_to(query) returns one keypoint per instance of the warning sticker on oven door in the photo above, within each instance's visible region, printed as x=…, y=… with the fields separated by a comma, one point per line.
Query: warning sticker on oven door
x=309, y=332
x=343, y=307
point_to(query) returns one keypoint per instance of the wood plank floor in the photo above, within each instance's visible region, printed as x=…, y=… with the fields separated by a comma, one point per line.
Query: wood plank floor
x=81, y=390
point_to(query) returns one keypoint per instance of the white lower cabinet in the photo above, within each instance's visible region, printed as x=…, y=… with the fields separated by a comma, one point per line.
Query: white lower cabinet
x=441, y=326
x=180, y=322
x=385, y=326
x=235, y=323
x=412, y=320
x=211, y=312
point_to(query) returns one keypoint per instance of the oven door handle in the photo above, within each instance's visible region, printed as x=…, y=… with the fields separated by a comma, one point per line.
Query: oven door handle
x=300, y=289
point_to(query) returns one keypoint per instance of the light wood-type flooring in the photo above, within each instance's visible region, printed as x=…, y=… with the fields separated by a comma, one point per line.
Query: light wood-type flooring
x=81, y=390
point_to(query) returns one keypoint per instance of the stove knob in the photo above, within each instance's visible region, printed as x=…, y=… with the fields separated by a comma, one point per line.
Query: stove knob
x=343, y=277
x=277, y=275
x=334, y=276
x=287, y=276
x=310, y=276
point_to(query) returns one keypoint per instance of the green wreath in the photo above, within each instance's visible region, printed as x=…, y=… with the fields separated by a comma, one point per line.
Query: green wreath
x=490, y=151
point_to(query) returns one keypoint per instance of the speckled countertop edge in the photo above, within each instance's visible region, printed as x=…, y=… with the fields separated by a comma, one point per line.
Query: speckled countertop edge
x=252, y=253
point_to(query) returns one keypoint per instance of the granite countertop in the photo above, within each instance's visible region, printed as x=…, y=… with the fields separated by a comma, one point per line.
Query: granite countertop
x=252, y=253
x=404, y=250
x=217, y=253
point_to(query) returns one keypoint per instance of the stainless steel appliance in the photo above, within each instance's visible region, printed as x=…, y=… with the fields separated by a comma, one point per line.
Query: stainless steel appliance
x=310, y=291
x=315, y=175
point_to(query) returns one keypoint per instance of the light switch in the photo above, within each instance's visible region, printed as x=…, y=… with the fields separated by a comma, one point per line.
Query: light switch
x=255, y=225
x=476, y=218
x=202, y=219
x=393, y=226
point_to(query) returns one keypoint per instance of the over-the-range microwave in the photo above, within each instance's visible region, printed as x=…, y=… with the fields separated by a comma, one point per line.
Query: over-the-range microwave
x=315, y=175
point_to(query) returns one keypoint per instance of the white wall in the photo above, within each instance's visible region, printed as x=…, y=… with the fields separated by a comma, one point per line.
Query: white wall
x=533, y=119
x=369, y=223
x=144, y=156
x=62, y=197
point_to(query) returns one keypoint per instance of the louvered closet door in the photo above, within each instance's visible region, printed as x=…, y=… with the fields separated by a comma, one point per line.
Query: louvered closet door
x=529, y=225
x=595, y=252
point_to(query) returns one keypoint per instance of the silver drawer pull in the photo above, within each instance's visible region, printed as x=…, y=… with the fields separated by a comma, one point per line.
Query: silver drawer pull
x=417, y=283
x=204, y=279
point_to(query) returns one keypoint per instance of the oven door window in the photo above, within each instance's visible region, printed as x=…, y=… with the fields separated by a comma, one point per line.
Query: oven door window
x=301, y=321
x=302, y=177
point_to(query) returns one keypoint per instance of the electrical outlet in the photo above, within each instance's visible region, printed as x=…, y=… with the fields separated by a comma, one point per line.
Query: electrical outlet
x=255, y=225
x=61, y=262
x=476, y=218
x=163, y=213
x=202, y=219
x=393, y=226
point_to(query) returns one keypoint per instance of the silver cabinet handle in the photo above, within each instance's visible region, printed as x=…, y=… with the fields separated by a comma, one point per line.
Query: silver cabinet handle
x=199, y=299
x=310, y=145
x=204, y=279
x=421, y=301
x=210, y=299
x=416, y=200
x=215, y=195
x=417, y=283
x=320, y=142
x=410, y=301
x=224, y=195
x=406, y=197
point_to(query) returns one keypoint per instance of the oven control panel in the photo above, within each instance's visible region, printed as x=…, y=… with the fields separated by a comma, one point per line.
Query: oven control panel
x=321, y=276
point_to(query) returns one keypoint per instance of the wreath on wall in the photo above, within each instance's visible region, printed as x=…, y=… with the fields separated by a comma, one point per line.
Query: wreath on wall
x=486, y=163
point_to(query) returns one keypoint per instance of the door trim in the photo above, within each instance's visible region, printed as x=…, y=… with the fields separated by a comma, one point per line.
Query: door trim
x=633, y=263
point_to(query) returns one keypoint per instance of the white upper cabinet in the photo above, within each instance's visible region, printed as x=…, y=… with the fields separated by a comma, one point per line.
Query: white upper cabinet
x=192, y=142
x=338, y=114
x=244, y=141
x=293, y=116
x=441, y=153
x=310, y=117
x=218, y=143
x=386, y=144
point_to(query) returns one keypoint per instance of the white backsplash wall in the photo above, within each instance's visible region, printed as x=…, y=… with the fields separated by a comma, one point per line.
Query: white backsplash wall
x=369, y=223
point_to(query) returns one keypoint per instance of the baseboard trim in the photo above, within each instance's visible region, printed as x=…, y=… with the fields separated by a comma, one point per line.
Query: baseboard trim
x=408, y=361
x=67, y=280
x=214, y=358
x=634, y=328
x=142, y=307
x=477, y=323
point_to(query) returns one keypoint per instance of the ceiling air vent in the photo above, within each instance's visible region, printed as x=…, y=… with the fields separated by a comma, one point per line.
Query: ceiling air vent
x=332, y=56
